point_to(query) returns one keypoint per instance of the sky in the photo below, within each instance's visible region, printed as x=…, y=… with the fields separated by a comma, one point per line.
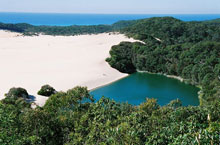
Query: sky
x=113, y=6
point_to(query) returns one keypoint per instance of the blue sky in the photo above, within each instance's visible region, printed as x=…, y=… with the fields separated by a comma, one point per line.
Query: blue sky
x=113, y=6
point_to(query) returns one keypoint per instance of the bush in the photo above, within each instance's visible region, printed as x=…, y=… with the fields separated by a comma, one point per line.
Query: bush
x=19, y=103
x=121, y=57
x=46, y=90
x=16, y=93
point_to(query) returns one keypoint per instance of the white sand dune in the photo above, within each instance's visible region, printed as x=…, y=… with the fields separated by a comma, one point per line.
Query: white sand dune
x=60, y=61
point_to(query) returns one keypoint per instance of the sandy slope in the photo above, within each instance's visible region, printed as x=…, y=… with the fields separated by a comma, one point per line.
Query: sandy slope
x=61, y=61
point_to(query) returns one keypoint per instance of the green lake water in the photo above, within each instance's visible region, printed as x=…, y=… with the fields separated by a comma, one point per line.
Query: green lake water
x=135, y=88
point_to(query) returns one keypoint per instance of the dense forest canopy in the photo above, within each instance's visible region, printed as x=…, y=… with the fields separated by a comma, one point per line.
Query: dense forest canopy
x=190, y=50
x=173, y=31
x=187, y=49
x=73, y=118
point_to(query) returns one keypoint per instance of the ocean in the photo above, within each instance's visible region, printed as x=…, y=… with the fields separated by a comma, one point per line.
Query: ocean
x=51, y=19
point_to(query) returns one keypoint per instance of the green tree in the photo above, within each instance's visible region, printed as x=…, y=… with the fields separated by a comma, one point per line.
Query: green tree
x=46, y=90
x=17, y=93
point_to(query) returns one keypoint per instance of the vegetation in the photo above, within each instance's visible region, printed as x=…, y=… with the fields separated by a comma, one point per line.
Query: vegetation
x=173, y=31
x=21, y=28
x=17, y=93
x=187, y=49
x=46, y=90
x=73, y=118
x=28, y=29
x=122, y=62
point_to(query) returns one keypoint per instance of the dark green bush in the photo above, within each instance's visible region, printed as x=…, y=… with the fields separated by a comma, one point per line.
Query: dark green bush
x=46, y=90
x=17, y=93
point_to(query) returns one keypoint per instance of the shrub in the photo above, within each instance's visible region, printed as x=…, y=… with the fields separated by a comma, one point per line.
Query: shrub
x=46, y=90
x=17, y=93
x=121, y=57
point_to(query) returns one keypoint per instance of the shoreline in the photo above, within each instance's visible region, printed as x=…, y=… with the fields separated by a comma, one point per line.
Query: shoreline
x=60, y=61
x=108, y=83
x=169, y=76
x=200, y=92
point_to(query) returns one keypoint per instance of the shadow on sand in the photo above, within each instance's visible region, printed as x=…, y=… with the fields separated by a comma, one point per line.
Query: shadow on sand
x=31, y=99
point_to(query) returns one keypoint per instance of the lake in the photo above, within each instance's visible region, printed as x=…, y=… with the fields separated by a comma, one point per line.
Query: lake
x=136, y=87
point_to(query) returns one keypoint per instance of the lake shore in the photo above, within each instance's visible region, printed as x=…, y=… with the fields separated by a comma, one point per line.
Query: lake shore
x=200, y=93
x=169, y=76
x=60, y=61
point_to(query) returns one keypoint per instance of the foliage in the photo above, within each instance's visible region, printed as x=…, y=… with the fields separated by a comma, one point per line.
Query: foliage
x=46, y=90
x=173, y=31
x=66, y=120
x=15, y=27
x=122, y=62
x=186, y=49
x=17, y=93
x=28, y=29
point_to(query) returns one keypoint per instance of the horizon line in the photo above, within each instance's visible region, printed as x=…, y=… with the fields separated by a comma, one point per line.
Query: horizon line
x=117, y=13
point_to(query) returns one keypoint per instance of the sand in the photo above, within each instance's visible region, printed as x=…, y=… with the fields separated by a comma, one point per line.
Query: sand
x=60, y=61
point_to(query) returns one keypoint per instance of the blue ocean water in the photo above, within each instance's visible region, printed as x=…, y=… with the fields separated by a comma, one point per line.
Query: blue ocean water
x=90, y=19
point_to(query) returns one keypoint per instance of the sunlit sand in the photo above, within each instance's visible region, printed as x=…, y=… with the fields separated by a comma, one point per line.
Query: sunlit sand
x=60, y=61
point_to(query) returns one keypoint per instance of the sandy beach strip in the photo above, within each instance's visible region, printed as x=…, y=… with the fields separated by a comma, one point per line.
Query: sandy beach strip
x=60, y=61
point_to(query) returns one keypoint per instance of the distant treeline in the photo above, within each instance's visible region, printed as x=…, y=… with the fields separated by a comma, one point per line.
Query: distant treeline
x=28, y=29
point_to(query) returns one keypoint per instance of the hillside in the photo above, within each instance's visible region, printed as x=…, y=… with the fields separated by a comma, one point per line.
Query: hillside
x=173, y=31
x=186, y=49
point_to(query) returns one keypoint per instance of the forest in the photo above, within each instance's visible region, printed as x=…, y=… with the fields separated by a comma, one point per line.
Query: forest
x=190, y=50
x=27, y=29
x=73, y=117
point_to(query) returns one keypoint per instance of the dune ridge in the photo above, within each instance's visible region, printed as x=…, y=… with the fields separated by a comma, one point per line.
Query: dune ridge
x=60, y=61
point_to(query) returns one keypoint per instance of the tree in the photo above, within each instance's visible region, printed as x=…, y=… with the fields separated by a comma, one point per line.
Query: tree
x=80, y=94
x=17, y=93
x=149, y=106
x=46, y=90
x=122, y=56
x=175, y=104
